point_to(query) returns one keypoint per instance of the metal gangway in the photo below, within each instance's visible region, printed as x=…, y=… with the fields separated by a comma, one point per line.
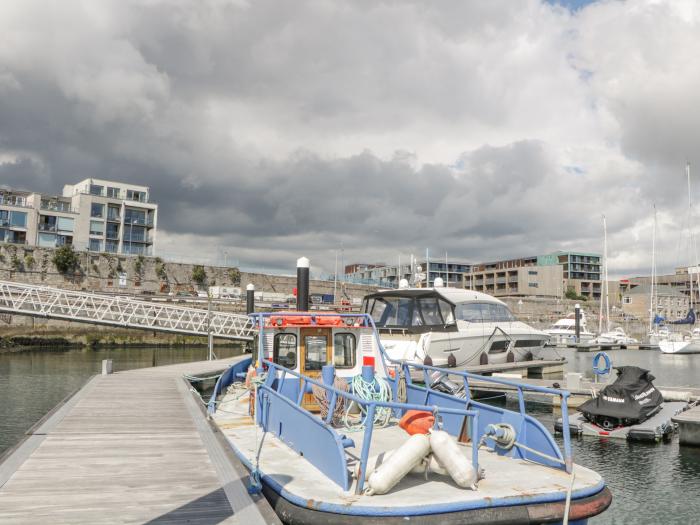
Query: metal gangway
x=123, y=312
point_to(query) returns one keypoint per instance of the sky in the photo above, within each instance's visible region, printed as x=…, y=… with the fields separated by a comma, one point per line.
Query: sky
x=367, y=130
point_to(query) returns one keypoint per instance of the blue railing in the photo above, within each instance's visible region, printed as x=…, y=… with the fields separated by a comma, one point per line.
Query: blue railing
x=281, y=414
x=323, y=446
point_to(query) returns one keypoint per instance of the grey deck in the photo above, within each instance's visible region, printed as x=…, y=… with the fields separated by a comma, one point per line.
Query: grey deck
x=131, y=447
x=689, y=426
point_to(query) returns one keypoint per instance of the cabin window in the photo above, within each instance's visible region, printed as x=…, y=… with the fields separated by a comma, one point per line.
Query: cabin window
x=344, y=351
x=285, y=350
x=483, y=313
x=316, y=348
x=430, y=310
x=470, y=312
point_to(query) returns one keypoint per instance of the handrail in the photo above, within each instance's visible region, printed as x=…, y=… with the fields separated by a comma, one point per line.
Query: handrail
x=371, y=407
x=367, y=321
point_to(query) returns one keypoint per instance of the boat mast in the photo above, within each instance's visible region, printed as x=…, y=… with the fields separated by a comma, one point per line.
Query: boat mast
x=692, y=240
x=607, y=288
x=652, y=303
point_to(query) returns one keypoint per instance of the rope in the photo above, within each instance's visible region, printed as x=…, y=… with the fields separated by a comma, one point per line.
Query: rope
x=567, y=505
x=197, y=378
x=322, y=398
x=375, y=390
x=401, y=389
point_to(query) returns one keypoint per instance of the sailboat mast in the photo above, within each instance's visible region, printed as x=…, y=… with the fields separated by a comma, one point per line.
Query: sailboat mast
x=652, y=303
x=607, y=290
x=692, y=240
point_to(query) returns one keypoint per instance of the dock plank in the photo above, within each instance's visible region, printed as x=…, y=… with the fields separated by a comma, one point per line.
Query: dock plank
x=131, y=447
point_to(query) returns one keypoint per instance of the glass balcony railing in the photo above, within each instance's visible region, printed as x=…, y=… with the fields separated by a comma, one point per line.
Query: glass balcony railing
x=43, y=227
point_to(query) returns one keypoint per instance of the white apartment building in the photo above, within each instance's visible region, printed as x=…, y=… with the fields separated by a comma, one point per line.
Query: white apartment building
x=94, y=214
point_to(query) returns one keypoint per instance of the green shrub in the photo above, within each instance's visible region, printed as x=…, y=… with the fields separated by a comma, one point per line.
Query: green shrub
x=234, y=275
x=29, y=261
x=65, y=259
x=199, y=275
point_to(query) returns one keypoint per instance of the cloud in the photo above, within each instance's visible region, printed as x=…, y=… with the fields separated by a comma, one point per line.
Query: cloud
x=269, y=131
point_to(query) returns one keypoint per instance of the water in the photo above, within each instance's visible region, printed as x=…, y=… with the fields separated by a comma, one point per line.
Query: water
x=33, y=382
x=651, y=483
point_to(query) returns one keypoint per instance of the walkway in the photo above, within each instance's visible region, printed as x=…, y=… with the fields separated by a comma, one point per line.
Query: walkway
x=131, y=447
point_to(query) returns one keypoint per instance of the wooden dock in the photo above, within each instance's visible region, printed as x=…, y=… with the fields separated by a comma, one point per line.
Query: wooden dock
x=130, y=447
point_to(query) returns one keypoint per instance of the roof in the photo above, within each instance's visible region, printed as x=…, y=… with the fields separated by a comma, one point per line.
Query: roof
x=659, y=289
x=453, y=295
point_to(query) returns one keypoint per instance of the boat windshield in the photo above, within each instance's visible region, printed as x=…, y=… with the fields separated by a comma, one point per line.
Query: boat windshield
x=408, y=312
x=484, y=313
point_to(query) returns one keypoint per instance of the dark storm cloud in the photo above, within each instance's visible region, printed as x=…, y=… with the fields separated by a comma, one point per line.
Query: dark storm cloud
x=270, y=129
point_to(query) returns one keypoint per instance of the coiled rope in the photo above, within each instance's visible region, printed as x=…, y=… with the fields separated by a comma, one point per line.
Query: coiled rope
x=322, y=398
x=375, y=390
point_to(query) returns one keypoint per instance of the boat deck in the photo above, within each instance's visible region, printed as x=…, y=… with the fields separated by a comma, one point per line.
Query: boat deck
x=508, y=481
x=130, y=447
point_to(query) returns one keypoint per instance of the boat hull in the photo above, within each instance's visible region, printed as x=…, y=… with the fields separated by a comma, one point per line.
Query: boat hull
x=580, y=511
x=679, y=347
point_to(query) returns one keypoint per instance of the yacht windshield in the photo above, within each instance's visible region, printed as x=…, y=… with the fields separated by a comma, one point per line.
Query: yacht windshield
x=393, y=311
x=483, y=312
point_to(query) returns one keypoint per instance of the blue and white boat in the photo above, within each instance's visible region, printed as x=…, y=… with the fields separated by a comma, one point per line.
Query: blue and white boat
x=326, y=402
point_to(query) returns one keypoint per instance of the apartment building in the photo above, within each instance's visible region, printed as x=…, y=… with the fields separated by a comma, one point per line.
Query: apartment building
x=452, y=272
x=94, y=214
x=549, y=275
x=523, y=281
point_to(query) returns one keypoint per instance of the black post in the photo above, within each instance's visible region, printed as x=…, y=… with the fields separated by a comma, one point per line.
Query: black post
x=250, y=299
x=577, y=317
x=303, y=284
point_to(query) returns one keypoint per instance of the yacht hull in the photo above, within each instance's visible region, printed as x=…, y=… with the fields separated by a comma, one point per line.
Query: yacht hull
x=680, y=347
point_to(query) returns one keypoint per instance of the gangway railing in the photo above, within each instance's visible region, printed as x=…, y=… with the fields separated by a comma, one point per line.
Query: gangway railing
x=69, y=305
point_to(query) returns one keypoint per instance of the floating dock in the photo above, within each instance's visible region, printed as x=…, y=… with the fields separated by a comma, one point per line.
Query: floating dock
x=129, y=447
x=689, y=427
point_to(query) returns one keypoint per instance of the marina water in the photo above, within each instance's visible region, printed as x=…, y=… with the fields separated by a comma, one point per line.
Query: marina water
x=651, y=483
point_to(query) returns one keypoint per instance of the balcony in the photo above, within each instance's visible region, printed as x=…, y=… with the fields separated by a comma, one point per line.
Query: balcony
x=114, y=217
x=17, y=202
x=62, y=207
x=44, y=227
x=139, y=221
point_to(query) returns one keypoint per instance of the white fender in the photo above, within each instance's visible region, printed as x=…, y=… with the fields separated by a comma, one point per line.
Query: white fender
x=449, y=455
x=373, y=462
x=401, y=462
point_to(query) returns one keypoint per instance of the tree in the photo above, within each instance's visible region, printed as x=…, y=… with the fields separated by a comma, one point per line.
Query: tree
x=65, y=259
x=199, y=275
x=234, y=275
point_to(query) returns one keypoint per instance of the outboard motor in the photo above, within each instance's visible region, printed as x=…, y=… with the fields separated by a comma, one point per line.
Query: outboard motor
x=630, y=400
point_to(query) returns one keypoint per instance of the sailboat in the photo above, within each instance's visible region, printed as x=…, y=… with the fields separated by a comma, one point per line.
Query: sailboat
x=609, y=336
x=677, y=343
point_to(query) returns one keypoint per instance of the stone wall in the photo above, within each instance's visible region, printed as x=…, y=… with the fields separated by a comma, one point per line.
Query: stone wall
x=128, y=274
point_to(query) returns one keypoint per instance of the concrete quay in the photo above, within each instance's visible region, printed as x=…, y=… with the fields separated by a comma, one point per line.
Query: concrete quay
x=689, y=427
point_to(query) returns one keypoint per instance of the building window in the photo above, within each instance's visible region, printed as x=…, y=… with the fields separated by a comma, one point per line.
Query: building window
x=4, y=218
x=47, y=240
x=97, y=210
x=19, y=219
x=532, y=272
x=65, y=224
x=133, y=195
x=96, y=189
x=111, y=246
x=533, y=285
x=112, y=231
x=134, y=216
x=97, y=228
x=626, y=300
x=112, y=213
x=95, y=245
x=112, y=193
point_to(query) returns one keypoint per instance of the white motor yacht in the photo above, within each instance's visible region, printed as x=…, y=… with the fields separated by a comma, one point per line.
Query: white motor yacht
x=439, y=322
x=564, y=331
x=616, y=336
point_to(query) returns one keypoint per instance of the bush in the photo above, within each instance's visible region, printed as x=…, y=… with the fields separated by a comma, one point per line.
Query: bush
x=29, y=261
x=571, y=294
x=199, y=275
x=138, y=264
x=234, y=274
x=65, y=259
x=161, y=273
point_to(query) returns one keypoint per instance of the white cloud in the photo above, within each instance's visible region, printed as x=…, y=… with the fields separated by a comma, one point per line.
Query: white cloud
x=494, y=129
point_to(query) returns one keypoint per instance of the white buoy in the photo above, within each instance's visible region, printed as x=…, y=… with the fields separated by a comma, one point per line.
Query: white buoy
x=400, y=463
x=438, y=282
x=403, y=283
x=448, y=453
